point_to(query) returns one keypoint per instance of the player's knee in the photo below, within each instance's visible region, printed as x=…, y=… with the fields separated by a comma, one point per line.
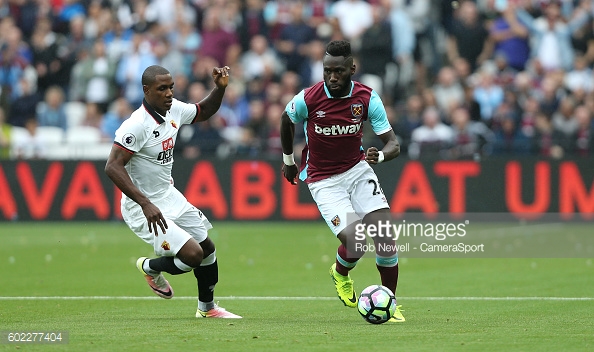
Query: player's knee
x=191, y=254
x=195, y=256
x=208, y=247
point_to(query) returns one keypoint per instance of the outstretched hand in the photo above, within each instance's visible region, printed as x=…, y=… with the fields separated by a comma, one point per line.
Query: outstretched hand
x=220, y=76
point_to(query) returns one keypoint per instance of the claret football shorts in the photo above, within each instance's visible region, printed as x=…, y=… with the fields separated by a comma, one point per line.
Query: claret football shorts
x=184, y=221
x=347, y=197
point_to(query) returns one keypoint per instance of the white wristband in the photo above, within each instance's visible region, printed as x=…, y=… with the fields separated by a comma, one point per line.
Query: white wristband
x=380, y=157
x=288, y=159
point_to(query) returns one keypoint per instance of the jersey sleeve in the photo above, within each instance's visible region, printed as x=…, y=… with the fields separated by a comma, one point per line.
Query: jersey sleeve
x=131, y=136
x=377, y=115
x=186, y=112
x=296, y=108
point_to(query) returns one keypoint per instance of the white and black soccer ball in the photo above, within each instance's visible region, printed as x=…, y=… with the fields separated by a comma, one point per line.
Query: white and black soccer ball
x=377, y=304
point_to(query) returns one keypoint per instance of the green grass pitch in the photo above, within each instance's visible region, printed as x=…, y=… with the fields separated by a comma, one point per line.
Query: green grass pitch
x=276, y=276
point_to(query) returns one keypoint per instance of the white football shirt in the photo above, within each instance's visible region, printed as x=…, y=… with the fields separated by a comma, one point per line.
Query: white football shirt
x=151, y=138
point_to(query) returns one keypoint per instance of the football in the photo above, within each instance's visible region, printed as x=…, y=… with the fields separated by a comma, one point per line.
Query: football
x=376, y=304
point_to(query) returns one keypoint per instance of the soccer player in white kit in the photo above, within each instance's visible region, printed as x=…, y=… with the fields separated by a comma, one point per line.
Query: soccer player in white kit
x=335, y=167
x=140, y=165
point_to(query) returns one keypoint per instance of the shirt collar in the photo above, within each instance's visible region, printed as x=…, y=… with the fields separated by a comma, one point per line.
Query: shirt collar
x=156, y=116
x=346, y=96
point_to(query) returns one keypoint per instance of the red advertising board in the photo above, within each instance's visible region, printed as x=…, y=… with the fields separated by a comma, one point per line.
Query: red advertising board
x=255, y=190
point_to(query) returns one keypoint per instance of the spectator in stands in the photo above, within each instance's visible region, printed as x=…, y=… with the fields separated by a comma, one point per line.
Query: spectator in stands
x=563, y=119
x=432, y=138
x=584, y=136
x=351, y=18
x=217, y=42
x=29, y=145
x=98, y=18
x=93, y=116
x=12, y=70
x=187, y=40
x=273, y=120
x=509, y=140
x=96, y=76
x=51, y=112
x=12, y=38
x=579, y=79
x=425, y=53
x=260, y=60
x=376, y=44
x=468, y=36
x=25, y=106
x=70, y=51
x=551, y=36
x=530, y=109
x=448, y=90
x=546, y=141
x=253, y=22
x=487, y=94
x=118, y=39
x=130, y=69
x=45, y=44
x=470, y=138
x=170, y=57
x=294, y=38
x=408, y=120
x=403, y=45
x=549, y=94
x=68, y=10
x=510, y=38
x=312, y=67
x=277, y=14
x=257, y=128
x=119, y=111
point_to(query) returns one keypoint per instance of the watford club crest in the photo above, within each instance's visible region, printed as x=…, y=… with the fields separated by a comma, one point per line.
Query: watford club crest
x=165, y=245
x=357, y=110
x=173, y=124
x=335, y=220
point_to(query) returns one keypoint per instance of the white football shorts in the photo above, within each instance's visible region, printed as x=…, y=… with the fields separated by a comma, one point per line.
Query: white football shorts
x=347, y=197
x=184, y=221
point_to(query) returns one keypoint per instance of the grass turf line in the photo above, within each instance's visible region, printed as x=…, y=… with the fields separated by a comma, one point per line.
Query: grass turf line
x=263, y=259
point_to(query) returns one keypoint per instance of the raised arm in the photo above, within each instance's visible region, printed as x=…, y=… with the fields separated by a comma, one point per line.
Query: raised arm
x=211, y=104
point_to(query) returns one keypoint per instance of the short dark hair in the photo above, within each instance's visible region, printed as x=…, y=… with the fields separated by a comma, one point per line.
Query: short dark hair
x=339, y=48
x=149, y=75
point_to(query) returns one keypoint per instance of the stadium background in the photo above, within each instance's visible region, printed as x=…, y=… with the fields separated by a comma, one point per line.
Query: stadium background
x=507, y=107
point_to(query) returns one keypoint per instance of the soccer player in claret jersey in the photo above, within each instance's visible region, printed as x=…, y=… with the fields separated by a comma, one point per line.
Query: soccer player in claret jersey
x=140, y=165
x=336, y=168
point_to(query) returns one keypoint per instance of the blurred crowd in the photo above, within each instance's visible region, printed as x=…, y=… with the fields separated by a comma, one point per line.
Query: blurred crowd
x=459, y=79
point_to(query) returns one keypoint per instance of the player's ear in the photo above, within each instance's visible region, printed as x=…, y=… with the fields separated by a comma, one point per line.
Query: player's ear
x=145, y=88
x=353, y=69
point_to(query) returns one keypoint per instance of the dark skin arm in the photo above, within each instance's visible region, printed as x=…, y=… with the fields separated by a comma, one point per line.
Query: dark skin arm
x=118, y=158
x=115, y=170
x=391, y=148
x=287, y=132
x=212, y=102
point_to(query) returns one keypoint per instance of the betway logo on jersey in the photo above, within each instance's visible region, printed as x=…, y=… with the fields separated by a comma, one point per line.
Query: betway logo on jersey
x=337, y=130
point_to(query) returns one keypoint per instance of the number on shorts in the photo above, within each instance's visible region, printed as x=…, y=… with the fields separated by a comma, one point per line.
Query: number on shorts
x=376, y=188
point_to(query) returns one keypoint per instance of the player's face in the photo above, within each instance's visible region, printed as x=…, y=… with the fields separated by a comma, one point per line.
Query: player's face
x=337, y=75
x=160, y=94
